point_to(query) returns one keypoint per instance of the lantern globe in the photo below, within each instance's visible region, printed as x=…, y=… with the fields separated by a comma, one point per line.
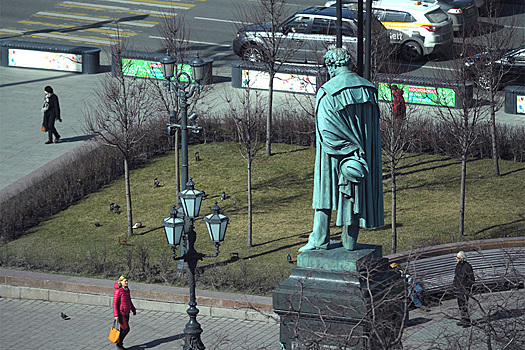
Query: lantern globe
x=216, y=223
x=168, y=66
x=191, y=200
x=173, y=227
x=197, y=69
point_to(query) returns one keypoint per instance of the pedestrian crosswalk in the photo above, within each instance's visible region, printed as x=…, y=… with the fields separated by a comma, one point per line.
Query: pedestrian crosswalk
x=96, y=22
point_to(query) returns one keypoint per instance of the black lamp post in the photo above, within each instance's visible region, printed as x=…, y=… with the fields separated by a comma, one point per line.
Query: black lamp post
x=182, y=82
x=216, y=223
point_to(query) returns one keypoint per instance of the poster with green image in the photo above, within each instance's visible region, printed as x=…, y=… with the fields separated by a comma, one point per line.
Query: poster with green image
x=149, y=69
x=425, y=95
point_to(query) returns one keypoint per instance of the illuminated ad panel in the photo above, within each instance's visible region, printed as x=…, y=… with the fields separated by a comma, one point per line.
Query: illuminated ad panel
x=423, y=95
x=133, y=67
x=520, y=104
x=282, y=81
x=45, y=60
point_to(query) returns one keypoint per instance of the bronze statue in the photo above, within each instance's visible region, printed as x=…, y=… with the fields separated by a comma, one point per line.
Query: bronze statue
x=348, y=169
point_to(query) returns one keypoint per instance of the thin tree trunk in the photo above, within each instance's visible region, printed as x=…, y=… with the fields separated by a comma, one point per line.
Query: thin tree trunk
x=250, y=220
x=394, y=208
x=269, y=119
x=128, y=197
x=495, y=155
x=462, y=195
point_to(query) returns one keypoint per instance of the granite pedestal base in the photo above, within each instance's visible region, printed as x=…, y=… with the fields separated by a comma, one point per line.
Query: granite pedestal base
x=326, y=301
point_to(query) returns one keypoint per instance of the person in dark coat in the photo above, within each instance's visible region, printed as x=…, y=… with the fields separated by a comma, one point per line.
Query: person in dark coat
x=51, y=111
x=463, y=281
x=122, y=306
x=399, y=108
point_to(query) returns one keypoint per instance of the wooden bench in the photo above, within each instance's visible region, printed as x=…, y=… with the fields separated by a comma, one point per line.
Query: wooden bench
x=495, y=267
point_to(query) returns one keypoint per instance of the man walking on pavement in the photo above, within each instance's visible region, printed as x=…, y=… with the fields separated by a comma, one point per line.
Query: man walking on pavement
x=463, y=281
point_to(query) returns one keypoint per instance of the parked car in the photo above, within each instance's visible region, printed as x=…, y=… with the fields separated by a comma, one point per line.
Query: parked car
x=417, y=29
x=510, y=66
x=463, y=13
x=305, y=36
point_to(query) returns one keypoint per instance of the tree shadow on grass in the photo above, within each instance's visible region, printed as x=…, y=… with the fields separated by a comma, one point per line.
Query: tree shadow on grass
x=292, y=151
x=300, y=235
x=156, y=342
x=501, y=227
x=234, y=259
x=512, y=172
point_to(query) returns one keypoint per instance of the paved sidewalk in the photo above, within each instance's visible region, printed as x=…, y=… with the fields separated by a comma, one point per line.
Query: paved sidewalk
x=35, y=324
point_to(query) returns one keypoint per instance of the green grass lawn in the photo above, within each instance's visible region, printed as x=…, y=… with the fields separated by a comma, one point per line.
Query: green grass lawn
x=428, y=213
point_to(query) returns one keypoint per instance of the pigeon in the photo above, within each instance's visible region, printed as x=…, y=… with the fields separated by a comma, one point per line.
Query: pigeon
x=223, y=196
x=289, y=258
x=64, y=316
x=97, y=224
x=114, y=208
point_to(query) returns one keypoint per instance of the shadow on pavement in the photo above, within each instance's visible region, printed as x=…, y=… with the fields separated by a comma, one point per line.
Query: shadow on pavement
x=418, y=321
x=75, y=139
x=156, y=342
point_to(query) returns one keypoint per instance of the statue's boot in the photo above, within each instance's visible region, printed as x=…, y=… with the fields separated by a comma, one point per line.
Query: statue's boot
x=349, y=235
x=320, y=236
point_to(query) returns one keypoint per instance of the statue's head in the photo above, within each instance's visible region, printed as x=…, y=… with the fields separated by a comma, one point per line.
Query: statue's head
x=335, y=58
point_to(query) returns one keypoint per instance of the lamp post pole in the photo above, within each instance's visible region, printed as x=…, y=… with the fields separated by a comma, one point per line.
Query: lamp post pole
x=173, y=226
x=182, y=81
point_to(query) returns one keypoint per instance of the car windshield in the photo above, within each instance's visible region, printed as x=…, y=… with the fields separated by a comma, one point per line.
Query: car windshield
x=436, y=16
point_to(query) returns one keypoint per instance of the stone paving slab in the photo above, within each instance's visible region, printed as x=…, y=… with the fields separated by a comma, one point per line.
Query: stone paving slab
x=36, y=324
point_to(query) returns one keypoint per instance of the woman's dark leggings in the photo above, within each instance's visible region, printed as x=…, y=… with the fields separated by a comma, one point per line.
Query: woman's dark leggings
x=123, y=333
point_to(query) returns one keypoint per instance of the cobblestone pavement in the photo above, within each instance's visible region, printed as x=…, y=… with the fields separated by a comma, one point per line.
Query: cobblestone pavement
x=32, y=324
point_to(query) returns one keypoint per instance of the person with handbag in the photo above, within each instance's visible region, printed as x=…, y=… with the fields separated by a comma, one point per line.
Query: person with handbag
x=122, y=306
x=51, y=109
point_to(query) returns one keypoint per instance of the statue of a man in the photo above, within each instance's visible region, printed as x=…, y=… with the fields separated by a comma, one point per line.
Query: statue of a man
x=348, y=169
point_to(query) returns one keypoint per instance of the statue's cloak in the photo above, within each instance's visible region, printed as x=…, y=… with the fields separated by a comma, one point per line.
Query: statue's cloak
x=347, y=131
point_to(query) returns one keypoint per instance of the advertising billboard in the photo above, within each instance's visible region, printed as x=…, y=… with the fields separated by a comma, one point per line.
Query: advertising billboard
x=300, y=83
x=45, y=60
x=520, y=104
x=425, y=95
x=133, y=67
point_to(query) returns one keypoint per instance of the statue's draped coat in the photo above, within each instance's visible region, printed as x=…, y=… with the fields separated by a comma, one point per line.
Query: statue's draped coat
x=348, y=131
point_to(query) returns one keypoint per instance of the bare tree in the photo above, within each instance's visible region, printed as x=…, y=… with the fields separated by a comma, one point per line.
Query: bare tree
x=395, y=142
x=247, y=114
x=488, y=64
x=275, y=48
x=460, y=126
x=120, y=116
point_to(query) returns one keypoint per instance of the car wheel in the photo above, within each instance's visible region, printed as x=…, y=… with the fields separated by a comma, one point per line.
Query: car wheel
x=411, y=51
x=252, y=53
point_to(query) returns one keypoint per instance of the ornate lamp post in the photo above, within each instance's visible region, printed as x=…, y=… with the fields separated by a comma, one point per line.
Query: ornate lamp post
x=216, y=223
x=182, y=82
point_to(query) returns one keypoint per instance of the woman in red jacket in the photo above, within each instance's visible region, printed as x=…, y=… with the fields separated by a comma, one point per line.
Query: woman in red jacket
x=122, y=305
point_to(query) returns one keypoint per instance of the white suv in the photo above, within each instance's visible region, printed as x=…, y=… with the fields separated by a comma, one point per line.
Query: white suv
x=417, y=28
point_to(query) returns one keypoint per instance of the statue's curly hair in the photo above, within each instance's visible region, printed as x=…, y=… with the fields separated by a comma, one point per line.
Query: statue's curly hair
x=337, y=57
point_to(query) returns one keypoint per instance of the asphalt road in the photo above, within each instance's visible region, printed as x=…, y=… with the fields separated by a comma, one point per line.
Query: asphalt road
x=212, y=25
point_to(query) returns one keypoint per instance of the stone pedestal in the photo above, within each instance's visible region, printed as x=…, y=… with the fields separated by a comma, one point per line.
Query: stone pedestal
x=326, y=301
